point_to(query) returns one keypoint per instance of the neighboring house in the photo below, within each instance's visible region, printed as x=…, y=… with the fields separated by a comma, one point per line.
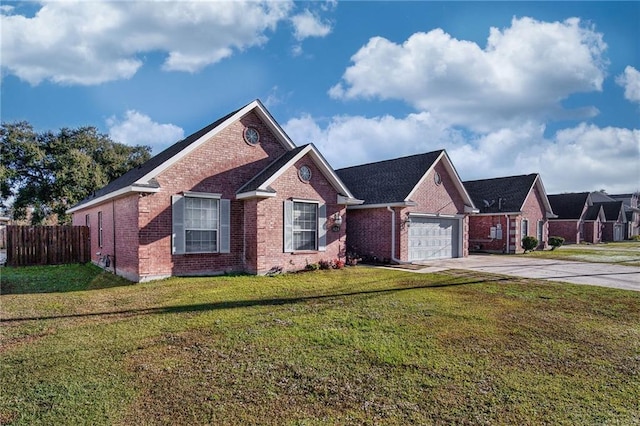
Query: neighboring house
x=415, y=209
x=235, y=196
x=511, y=208
x=571, y=210
x=631, y=225
x=614, y=226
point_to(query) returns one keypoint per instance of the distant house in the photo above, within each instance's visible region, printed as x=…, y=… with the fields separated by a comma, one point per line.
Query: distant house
x=579, y=220
x=511, y=208
x=630, y=226
x=237, y=195
x=415, y=209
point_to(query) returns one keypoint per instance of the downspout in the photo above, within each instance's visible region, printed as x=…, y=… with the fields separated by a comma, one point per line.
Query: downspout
x=508, y=233
x=393, y=237
x=113, y=211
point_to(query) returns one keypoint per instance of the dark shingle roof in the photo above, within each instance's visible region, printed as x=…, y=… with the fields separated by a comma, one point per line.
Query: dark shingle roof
x=611, y=210
x=504, y=194
x=136, y=173
x=388, y=181
x=592, y=212
x=272, y=168
x=568, y=206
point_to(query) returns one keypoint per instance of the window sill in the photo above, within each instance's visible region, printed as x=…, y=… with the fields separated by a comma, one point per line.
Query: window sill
x=304, y=252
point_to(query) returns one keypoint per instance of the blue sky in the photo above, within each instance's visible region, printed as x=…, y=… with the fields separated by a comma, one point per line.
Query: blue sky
x=506, y=87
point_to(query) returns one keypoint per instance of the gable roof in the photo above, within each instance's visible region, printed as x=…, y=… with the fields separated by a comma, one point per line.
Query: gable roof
x=570, y=205
x=259, y=185
x=394, y=181
x=506, y=194
x=142, y=178
x=601, y=197
x=613, y=210
x=594, y=212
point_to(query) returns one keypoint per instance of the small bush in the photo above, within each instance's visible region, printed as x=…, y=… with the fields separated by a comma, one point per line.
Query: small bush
x=555, y=242
x=635, y=238
x=312, y=267
x=529, y=243
x=324, y=264
x=337, y=264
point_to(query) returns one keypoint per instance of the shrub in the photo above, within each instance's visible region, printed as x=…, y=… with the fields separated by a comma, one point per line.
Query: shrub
x=529, y=243
x=324, y=264
x=312, y=266
x=635, y=238
x=555, y=242
x=338, y=264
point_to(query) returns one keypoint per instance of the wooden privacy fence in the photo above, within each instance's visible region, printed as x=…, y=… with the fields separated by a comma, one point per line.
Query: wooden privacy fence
x=47, y=245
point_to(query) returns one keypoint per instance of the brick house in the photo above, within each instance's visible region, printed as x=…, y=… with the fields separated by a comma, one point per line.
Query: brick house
x=237, y=195
x=511, y=208
x=630, y=203
x=415, y=208
x=616, y=224
x=578, y=221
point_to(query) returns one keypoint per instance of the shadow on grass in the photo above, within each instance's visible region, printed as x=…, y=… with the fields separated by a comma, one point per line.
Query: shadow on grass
x=252, y=303
x=57, y=279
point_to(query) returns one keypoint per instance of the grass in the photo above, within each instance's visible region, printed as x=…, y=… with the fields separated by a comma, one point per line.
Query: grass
x=622, y=253
x=354, y=346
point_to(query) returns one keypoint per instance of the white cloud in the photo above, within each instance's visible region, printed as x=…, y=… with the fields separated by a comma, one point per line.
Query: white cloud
x=522, y=74
x=582, y=158
x=307, y=24
x=630, y=80
x=79, y=42
x=138, y=129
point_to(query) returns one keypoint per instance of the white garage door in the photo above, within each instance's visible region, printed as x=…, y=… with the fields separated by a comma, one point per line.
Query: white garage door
x=433, y=238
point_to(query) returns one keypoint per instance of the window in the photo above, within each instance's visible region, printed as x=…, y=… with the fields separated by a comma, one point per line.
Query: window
x=304, y=226
x=200, y=223
x=99, y=229
x=524, y=228
x=540, y=233
x=87, y=221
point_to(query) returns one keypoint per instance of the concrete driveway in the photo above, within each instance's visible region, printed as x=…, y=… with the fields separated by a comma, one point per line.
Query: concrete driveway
x=599, y=274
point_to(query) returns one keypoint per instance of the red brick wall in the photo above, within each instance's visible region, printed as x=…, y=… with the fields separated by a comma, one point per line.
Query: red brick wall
x=567, y=229
x=369, y=233
x=124, y=257
x=533, y=210
x=270, y=220
x=480, y=231
x=593, y=232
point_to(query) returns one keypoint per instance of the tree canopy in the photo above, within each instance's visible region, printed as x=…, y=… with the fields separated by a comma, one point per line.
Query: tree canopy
x=53, y=171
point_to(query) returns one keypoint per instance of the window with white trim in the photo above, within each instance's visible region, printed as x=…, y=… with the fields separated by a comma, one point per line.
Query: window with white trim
x=304, y=227
x=200, y=223
x=540, y=233
x=524, y=228
x=99, y=229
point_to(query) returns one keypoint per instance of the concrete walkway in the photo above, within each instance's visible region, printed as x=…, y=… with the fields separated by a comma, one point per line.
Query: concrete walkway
x=598, y=274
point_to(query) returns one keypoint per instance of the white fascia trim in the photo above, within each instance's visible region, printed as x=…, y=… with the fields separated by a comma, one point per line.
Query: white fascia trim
x=348, y=201
x=305, y=200
x=116, y=194
x=437, y=215
x=470, y=209
x=260, y=111
x=566, y=220
x=499, y=214
x=383, y=205
x=327, y=171
x=201, y=195
x=255, y=194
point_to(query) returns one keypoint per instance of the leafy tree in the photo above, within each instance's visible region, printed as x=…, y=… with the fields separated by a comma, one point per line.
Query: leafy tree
x=53, y=171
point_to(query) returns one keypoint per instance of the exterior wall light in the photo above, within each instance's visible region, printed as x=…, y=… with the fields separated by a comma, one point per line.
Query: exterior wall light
x=337, y=222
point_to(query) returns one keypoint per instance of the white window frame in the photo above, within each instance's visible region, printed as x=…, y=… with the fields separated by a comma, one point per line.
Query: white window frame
x=540, y=232
x=183, y=224
x=524, y=228
x=200, y=219
x=290, y=228
x=100, y=240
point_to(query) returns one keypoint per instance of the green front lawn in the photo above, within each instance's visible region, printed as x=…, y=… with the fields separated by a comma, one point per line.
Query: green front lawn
x=353, y=346
x=622, y=253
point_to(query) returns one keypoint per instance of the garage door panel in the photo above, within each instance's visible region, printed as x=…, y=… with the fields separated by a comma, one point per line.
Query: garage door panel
x=433, y=238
